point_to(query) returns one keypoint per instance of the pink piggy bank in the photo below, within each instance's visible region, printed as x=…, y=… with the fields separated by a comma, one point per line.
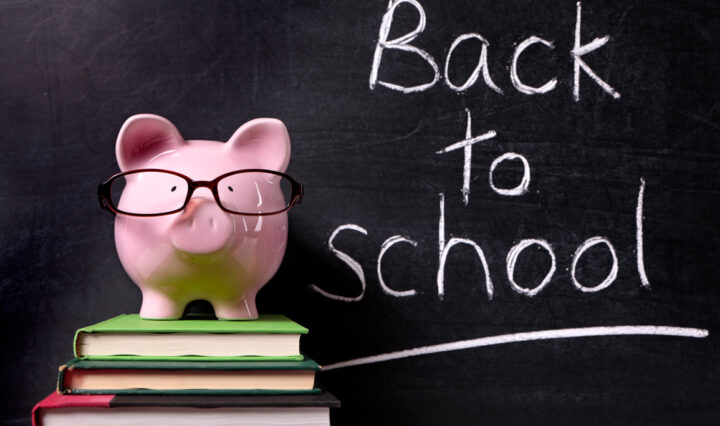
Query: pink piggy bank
x=200, y=219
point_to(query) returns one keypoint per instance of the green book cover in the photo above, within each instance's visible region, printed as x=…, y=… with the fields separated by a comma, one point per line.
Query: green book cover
x=132, y=323
x=86, y=364
x=200, y=324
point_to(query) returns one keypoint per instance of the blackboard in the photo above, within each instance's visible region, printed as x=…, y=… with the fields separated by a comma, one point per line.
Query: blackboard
x=587, y=138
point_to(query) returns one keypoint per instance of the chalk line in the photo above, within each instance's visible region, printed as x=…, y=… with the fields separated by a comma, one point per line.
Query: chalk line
x=639, y=236
x=563, y=333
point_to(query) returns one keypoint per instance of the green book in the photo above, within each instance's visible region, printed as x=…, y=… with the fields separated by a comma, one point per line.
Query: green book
x=87, y=377
x=200, y=338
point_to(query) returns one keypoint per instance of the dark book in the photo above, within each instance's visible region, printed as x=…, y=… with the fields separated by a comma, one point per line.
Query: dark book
x=81, y=376
x=181, y=410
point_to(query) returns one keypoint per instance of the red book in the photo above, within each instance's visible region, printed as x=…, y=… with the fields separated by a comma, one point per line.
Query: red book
x=58, y=400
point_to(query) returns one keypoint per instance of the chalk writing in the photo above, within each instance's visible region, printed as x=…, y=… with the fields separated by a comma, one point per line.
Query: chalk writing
x=481, y=65
x=613, y=270
x=580, y=50
x=349, y=261
x=444, y=251
x=384, y=248
x=519, y=85
x=408, y=43
x=522, y=187
x=512, y=259
x=402, y=43
x=466, y=144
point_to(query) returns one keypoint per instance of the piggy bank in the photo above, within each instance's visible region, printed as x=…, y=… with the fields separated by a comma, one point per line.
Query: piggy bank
x=199, y=219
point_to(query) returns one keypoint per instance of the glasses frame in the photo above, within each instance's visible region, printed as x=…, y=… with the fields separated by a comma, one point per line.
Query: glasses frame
x=105, y=191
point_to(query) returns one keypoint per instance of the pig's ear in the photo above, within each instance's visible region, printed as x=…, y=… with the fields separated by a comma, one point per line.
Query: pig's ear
x=144, y=136
x=264, y=141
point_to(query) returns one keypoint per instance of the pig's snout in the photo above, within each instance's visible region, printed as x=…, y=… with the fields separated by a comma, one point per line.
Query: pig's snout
x=202, y=228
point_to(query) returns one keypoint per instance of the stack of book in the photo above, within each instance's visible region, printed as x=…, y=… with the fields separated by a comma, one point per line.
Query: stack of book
x=196, y=370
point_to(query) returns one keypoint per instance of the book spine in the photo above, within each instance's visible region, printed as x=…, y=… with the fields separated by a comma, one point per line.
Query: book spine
x=75, y=343
x=56, y=400
x=61, y=379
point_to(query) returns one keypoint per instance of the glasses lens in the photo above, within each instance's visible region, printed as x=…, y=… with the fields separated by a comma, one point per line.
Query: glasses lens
x=254, y=192
x=148, y=192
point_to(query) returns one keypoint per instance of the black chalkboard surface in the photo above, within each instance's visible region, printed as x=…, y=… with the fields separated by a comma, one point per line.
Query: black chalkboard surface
x=511, y=206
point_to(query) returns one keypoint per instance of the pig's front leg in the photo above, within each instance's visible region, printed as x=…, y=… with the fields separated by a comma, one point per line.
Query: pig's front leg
x=156, y=305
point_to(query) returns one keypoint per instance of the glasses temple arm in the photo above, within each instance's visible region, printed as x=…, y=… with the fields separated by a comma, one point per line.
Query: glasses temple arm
x=103, y=199
x=299, y=193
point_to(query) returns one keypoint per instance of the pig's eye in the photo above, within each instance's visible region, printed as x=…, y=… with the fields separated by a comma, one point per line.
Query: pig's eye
x=230, y=188
x=173, y=189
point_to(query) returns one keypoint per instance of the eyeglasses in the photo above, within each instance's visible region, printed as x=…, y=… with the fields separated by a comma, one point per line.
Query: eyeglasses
x=157, y=192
